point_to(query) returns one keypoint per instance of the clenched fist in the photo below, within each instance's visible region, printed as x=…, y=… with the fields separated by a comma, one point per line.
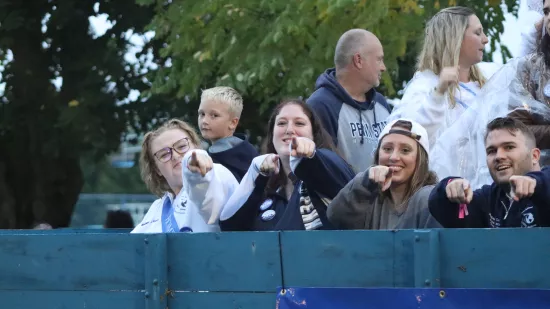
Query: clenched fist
x=447, y=78
x=459, y=191
x=200, y=163
x=302, y=147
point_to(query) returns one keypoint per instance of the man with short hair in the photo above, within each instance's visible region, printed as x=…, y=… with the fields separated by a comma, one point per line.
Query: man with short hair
x=520, y=194
x=351, y=110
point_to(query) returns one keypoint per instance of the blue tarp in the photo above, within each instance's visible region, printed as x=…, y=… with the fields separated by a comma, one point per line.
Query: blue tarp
x=373, y=298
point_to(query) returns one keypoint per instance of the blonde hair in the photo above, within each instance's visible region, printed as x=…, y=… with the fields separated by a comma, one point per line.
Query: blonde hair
x=442, y=43
x=226, y=95
x=156, y=183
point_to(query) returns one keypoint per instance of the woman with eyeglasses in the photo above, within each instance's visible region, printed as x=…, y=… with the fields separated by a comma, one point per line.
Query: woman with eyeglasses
x=191, y=188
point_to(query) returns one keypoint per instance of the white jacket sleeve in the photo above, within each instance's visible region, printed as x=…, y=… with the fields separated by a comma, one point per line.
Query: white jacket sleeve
x=208, y=193
x=149, y=222
x=422, y=104
x=244, y=190
x=528, y=44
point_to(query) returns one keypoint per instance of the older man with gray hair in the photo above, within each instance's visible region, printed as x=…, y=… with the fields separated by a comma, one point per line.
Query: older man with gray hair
x=351, y=110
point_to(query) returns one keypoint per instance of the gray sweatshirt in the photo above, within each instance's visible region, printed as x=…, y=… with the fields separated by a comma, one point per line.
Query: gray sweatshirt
x=354, y=126
x=359, y=206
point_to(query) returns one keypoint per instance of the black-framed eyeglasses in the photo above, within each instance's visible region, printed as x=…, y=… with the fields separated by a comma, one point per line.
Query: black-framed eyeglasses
x=165, y=154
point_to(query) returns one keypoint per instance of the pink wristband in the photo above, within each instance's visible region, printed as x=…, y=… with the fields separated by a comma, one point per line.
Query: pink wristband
x=462, y=211
x=462, y=208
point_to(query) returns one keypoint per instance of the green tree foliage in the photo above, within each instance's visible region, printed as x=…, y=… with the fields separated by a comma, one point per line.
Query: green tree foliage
x=44, y=131
x=265, y=49
x=272, y=49
x=103, y=177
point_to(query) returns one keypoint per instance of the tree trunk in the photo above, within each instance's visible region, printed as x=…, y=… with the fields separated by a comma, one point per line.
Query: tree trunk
x=40, y=176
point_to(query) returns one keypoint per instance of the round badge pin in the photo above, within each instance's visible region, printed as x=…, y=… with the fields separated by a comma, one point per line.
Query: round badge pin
x=186, y=229
x=266, y=204
x=268, y=215
x=546, y=90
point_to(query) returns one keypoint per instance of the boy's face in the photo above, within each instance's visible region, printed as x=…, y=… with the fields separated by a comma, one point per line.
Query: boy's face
x=215, y=120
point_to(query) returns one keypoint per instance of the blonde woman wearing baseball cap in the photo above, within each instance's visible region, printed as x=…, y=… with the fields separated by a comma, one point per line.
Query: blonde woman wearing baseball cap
x=394, y=193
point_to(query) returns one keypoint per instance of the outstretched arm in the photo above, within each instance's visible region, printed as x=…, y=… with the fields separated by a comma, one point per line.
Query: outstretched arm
x=208, y=185
x=242, y=207
x=445, y=204
x=321, y=169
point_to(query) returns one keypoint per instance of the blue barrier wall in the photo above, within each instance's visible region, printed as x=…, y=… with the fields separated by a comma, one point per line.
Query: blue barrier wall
x=58, y=269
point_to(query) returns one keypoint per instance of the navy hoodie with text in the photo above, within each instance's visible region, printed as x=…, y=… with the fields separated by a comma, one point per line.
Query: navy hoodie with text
x=354, y=126
x=317, y=180
x=491, y=208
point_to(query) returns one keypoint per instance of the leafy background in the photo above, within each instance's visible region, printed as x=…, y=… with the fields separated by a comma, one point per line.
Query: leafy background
x=56, y=141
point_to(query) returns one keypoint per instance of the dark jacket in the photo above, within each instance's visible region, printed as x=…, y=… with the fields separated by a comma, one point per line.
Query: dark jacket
x=316, y=181
x=490, y=203
x=235, y=153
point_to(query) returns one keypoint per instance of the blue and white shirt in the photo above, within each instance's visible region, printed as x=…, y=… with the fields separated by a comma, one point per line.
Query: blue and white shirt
x=198, y=205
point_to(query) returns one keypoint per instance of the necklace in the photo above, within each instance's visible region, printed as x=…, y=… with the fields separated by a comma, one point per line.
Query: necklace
x=546, y=90
x=507, y=209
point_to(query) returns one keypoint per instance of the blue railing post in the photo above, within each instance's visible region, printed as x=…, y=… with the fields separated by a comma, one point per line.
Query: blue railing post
x=156, y=271
x=426, y=259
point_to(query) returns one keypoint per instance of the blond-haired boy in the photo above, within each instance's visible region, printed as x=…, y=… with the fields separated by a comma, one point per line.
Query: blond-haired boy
x=219, y=113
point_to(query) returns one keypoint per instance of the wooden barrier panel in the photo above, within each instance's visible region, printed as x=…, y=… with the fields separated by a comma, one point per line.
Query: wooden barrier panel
x=71, y=300
x=221, y=262
x=86, y=262
x=224, y=300
x=224, y=270
x=245, y=270
x=338, y=259
x=506, y=258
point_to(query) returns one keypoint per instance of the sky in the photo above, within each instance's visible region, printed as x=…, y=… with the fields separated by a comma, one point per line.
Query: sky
x=513, y=27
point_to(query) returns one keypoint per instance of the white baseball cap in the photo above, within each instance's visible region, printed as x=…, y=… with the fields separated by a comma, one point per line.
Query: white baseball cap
x=417, y=132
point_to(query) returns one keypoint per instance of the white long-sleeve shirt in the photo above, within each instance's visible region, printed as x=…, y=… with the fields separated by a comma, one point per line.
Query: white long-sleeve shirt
x=198, y=205
x=528, y=43
x=432, y=110
x=529, y=32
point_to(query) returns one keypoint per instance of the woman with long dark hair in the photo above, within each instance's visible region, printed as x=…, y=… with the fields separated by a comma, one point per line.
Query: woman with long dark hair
x=289, y=187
